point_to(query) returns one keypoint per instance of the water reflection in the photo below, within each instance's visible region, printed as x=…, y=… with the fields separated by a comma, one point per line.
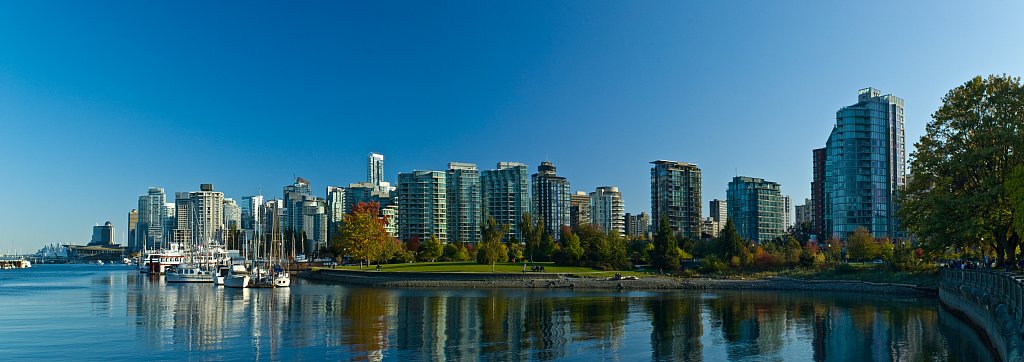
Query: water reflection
x=317, y=321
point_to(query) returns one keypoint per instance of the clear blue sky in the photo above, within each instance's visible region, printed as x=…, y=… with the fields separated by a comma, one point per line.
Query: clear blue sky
x=101, y=100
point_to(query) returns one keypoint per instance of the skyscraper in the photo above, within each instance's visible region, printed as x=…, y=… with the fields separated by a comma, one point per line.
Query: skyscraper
x=505, y=195
x=865, y=167
x=550, y=198
x=755, y=208
x=638, y=225
x=422, y=205
x=294, y=195
x=719, y=211
x=133, y=231
x=335, y=210
x=103, y=235
x=675, y=195
x=787, y=216
x=818, y=193
x=251, y=217
x=607, y=210
x=805, y=212
x=464, y=208
x=579, y=209
x=375, y=168
x=151, y=218
x=232, y=215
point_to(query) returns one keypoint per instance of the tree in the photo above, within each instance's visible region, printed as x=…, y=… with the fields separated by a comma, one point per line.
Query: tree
x=491, y=250
x=962, y=189
x=530, y=235
x=861, y=246
x=414, y=243
x=572, y=248
x=432, y=249
x=363, y=235
x=732, y=248
x=666, y=253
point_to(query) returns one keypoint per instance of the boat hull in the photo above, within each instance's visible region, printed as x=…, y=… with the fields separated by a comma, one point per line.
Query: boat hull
x=236, y=281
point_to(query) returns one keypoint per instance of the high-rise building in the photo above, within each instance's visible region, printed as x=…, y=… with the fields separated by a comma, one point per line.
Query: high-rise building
x=505, y=195
x=464, y=213
x=200, y=216
x=103, y=235
x=550, y=198
x=133, y=230
x=805, y=212
x=390, y=215
x=579, y=209
x=675, y=195
x=365, y=192
x=818, y=193
x=638, y=225
x=335, y=210
x=607, y=210
x=755, y=208
x=232, y=215
x=250, y=211
x=865, y=167
x=151, y=219
x=375, y=168
x=314, y=225
x=719, y=211
x=787, y=215
x=294, y=195
x=422, y=205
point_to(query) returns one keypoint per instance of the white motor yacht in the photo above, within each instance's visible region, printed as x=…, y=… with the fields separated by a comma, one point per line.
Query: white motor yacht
x=237, y=277
x=189, y=274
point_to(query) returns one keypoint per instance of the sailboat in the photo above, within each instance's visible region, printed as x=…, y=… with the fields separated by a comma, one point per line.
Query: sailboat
x=196, y=269
x=270, y=274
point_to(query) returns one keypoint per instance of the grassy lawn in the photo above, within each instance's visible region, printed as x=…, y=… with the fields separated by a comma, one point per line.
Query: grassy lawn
x=473, y=267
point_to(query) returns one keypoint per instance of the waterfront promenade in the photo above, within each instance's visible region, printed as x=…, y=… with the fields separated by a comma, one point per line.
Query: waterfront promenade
x=992, y=302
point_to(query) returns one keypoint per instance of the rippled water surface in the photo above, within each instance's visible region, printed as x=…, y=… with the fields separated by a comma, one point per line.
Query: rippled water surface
x=84, y=312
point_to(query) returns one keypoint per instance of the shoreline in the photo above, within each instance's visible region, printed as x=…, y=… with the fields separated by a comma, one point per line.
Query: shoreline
x=571, y=281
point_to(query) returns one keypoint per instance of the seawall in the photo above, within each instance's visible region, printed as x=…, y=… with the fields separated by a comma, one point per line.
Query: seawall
x=990, y=301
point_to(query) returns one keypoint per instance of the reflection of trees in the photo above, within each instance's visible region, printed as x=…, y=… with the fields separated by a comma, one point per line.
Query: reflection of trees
x=493, y=331
x=366, y=313
x=598, y=318
x=675, y=327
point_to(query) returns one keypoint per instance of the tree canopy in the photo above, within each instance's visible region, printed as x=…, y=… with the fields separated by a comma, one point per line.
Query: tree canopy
x=962, y=185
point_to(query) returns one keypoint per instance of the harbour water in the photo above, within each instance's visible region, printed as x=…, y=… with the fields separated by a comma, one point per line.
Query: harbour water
x=88, y=312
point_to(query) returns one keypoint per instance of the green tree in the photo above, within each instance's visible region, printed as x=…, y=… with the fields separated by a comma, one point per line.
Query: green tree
x=531, y=236
x=491, y=250
x=861, y=245
x=732, y=248
x=432, y=249
x=571, y=247
x=666, y=253
x=961, y=192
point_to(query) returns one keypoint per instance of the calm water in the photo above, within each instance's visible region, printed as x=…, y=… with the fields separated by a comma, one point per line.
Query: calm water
x=75, y=312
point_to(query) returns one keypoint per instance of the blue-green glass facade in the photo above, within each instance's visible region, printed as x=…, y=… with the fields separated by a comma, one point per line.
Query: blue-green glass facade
x=865, y=167
x=675, y=195
x=505, y=195
x=756, y=208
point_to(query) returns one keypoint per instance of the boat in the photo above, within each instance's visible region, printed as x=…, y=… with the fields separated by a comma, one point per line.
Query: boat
x=237, y=277
x=187, y=273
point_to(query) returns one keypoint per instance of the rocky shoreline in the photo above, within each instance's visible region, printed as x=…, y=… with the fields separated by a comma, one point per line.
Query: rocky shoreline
x=570, y=281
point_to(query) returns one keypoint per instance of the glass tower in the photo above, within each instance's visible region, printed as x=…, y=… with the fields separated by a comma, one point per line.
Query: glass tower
x=505, y=195
x=755, y=207
x=675, y=194
x=551, y=198
x=865, y=167
x=464, y=214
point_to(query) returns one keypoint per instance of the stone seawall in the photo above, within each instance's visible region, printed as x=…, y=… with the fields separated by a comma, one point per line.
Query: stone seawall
x=991, y=302
x=552, y=280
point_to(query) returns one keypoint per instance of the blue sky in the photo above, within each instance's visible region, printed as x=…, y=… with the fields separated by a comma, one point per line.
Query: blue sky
x=101, y=100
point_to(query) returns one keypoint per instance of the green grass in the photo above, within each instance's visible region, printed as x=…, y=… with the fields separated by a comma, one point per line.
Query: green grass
x=473, y=267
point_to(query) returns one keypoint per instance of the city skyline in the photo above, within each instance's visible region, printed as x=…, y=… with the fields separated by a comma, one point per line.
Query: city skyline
x=93, y=115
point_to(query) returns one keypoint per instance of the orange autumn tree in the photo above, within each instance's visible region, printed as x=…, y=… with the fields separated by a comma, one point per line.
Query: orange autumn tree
x=363, y=235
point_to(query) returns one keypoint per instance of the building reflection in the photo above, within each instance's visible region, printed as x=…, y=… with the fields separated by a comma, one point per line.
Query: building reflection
x=310, y=321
